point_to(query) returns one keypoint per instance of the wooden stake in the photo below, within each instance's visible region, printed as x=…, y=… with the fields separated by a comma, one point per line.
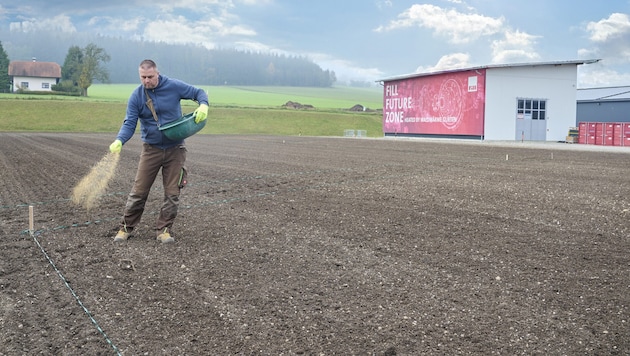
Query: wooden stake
x=31, y=222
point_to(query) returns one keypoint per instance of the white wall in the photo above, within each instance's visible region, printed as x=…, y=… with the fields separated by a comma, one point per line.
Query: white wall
x=34, y=84
x=555, y=83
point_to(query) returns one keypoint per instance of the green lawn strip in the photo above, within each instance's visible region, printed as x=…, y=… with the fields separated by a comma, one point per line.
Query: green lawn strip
x=52, y=115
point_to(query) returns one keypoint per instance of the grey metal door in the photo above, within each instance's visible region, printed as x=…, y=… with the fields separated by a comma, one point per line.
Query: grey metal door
x=531, y=120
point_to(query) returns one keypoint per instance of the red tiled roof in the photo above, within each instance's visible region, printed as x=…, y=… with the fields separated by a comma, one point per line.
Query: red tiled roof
x=35, y=69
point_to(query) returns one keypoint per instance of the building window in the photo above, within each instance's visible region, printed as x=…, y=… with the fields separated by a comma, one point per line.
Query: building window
x=24, y=85
x=45, y=85
x=534, y=109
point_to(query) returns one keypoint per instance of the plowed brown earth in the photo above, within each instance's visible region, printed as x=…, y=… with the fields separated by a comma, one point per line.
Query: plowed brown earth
x=320, y=246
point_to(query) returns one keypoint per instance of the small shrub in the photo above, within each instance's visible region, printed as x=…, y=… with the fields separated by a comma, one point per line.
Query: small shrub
x=67, y=86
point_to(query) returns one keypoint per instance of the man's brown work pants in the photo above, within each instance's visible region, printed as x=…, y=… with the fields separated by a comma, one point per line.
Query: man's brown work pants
x=171, y=161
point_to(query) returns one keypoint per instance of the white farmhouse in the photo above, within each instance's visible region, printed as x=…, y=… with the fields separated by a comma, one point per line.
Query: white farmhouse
x=33, y=75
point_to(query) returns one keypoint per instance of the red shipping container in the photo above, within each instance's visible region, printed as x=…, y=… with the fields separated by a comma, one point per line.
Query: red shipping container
x=582, y=132
x=607, y=140
x=608, y=134
x=582, y=138
x=625, y=134
x=599, y=134
x=582, y=128
x=599, y=127
x=617, y=134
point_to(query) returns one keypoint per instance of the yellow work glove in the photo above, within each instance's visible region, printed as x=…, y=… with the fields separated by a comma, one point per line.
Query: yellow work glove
x=116, y=146
x=201, y=113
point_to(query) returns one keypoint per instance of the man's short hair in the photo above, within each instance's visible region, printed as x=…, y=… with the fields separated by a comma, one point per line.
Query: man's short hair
x=147, y=63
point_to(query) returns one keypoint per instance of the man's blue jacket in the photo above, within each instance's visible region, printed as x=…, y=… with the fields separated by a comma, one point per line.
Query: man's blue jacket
x=166, y=99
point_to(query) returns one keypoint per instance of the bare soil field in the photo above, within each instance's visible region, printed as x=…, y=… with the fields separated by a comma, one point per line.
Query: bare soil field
x=320, y=246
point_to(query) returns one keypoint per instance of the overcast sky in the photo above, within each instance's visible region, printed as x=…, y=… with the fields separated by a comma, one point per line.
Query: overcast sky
x=364, y=39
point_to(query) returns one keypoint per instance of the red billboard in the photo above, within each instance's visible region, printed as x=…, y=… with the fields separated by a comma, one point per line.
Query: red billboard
x=441, y=104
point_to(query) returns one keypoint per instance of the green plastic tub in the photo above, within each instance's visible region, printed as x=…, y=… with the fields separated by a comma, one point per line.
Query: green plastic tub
x=182, y=128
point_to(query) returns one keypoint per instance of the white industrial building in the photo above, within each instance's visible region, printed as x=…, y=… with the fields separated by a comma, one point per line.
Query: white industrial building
x=527, y=101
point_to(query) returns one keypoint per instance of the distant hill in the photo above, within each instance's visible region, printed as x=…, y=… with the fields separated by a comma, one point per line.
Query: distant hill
x=193, y=64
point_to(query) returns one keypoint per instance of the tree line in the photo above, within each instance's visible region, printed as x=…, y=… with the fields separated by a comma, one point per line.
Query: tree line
x=5, y=80
x=191, y=63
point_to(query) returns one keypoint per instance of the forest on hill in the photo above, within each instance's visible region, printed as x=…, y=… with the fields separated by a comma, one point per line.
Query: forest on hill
x=190, y=63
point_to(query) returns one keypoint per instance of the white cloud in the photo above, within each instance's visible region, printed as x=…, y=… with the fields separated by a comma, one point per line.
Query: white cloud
x=61, y=23
x=601, y=77
x=611, y=39
x=345, y=70
x=460, y=28
x=114, y=24
x=199, y=5
x=587, y=53
x=615, y=26
x=254, y=46
x=212, y=19
x=256, y=2
x=219, y=28
x=515, y=46
x=383, y=3
x=207, y=33
x=173, y=31
x=208, y=6
x=447, y=62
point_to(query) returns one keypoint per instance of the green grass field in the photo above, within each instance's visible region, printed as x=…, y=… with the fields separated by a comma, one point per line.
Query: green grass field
x=320, y=98
x=233, y=110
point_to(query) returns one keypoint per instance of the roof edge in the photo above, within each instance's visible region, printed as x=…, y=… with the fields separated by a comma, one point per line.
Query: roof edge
x=489, y=66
